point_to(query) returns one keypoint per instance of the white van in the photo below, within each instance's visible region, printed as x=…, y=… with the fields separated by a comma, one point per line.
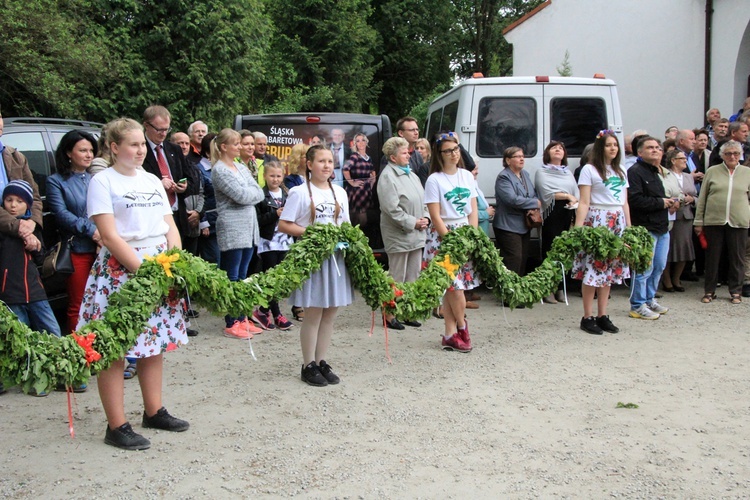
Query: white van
x=492, y=114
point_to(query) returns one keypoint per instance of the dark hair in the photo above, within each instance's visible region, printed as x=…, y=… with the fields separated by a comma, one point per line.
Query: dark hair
x=206, y=145
x=436, y=160
x=597, y=155
x=669, y=143
x=636, y=141
x=642, y=139
x=508, y=154
x=310, y=157
x=546, y=157
x=699, y=131
x=400, y=123
x=66, y=145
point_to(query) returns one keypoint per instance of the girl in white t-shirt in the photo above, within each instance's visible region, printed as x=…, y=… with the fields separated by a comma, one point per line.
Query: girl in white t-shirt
x=603, y=202
x=451, y=198
x=130, y=209
x=318, y=202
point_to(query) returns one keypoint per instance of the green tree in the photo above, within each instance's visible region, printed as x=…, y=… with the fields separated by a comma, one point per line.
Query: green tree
x=565, y=69
x=417, y=45
x=322, y=56
x=50, y=56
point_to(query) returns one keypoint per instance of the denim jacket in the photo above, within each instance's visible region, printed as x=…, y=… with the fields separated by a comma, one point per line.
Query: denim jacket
x=66, y=197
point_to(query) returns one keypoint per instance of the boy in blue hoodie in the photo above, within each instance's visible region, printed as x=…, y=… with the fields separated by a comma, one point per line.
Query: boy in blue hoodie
x=20, y=284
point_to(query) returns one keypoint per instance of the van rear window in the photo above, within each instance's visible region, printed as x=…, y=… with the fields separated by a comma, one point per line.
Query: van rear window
x=504, y=122
x=575, y=121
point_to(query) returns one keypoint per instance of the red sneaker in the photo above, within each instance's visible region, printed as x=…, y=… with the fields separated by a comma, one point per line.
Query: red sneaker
x=237, y=331
x=464, y=334
x=250, y=327
x=263, y=320
x=282, y=323
x=455, y=343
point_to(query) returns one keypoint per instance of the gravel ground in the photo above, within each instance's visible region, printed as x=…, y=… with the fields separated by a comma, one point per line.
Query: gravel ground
x=531, y=412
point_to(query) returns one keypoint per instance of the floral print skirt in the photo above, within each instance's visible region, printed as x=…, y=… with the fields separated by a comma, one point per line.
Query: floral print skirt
x=599, y=273
x=166, y=327
x=466, y=278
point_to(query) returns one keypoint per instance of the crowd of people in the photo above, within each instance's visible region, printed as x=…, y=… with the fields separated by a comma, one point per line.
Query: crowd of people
x=223, y=197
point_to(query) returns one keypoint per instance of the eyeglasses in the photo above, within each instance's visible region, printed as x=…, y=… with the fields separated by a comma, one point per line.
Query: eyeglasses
x=453, y=151
x=518, y=156
x=681, y=158
x=732, y=153
x=160, y=130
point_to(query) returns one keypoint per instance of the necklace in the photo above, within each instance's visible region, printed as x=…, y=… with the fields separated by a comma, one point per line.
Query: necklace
x=448, y=178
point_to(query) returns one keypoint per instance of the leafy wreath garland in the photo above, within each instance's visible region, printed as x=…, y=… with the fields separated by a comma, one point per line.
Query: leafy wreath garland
x=38, y=361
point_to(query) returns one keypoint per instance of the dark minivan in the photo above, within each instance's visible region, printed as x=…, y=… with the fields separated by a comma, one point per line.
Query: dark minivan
x=287, y=129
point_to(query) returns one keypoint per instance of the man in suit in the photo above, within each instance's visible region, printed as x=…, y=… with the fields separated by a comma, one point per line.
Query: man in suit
x=166, y=161
x=341, y=153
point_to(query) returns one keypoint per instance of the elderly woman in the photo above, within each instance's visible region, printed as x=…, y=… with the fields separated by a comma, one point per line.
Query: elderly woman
x=515, y=195
x=558, y=191
x=722, y=216
x=66, y=196
x=403, y=217
x=359, y=178
x=678, y=184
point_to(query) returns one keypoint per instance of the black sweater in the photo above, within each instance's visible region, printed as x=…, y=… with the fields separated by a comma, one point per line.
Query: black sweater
x=646, y=198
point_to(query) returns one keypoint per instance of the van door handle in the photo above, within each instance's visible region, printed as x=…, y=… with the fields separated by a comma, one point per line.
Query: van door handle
x=468, y=129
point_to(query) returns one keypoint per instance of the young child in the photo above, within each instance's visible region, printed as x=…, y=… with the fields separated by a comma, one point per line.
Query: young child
x=273, y=244
x=451, y=198
x=20, y=285
x=318, y=202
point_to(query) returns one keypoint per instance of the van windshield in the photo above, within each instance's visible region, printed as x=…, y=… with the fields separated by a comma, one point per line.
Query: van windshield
x=575, y=121
x=504, y=122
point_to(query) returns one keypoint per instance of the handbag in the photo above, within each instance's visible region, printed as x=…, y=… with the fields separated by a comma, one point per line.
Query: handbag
x=58, y=259
x=533, y=218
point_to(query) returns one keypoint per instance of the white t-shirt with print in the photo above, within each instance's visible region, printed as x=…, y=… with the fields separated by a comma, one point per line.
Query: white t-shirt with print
x=297, y=208
x=452, y=192
x=139, y=203
x=611, y=192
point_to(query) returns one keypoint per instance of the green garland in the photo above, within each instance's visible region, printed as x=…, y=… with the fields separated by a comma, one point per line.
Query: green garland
x=38, y=361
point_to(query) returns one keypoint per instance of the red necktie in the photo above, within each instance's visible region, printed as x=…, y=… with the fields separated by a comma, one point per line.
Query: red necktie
x=164, y=169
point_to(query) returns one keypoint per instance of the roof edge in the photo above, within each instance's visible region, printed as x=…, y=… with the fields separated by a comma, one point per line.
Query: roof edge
x=527, y=16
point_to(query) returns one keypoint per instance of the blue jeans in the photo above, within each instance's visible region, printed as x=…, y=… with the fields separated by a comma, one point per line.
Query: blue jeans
x=646, y=283
x=235, y=263
x=38, y=315
x=208, y=248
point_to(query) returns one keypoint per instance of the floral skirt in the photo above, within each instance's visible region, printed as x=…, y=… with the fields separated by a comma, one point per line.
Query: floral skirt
x=166, y=327
x=599, y=273
x=466, y=278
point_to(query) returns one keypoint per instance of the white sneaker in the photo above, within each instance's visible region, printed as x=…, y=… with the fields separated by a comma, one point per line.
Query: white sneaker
x=643, y=312
x=657, y=308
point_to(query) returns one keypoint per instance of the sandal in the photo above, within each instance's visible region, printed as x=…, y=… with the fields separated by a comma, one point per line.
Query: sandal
x=736, y=298
x=298, y=313
x=130, y=371
x=708, y=298
x=438, y=312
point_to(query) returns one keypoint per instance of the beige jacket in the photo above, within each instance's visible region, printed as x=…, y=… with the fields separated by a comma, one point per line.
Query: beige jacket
x=401, y=199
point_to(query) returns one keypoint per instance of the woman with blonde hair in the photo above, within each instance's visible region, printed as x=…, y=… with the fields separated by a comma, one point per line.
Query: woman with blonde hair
x=130, y=231
x=296, y=163
x=236, y=193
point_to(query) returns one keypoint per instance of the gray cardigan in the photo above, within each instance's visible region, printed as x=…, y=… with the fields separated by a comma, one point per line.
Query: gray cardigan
x=237, y=193
x=513, y=200
x=401, y=198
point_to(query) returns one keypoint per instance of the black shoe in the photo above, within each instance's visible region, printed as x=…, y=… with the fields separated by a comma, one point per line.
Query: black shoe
x=746, y=290
x=325, y=369
x=192, y=313
x=191, y=333
x=164, y=421
x=395, y=324
x=126, y=438
x=589, y=325
x=689, y=277
x=606, y=324
x=311, y=375
x=415, y=324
